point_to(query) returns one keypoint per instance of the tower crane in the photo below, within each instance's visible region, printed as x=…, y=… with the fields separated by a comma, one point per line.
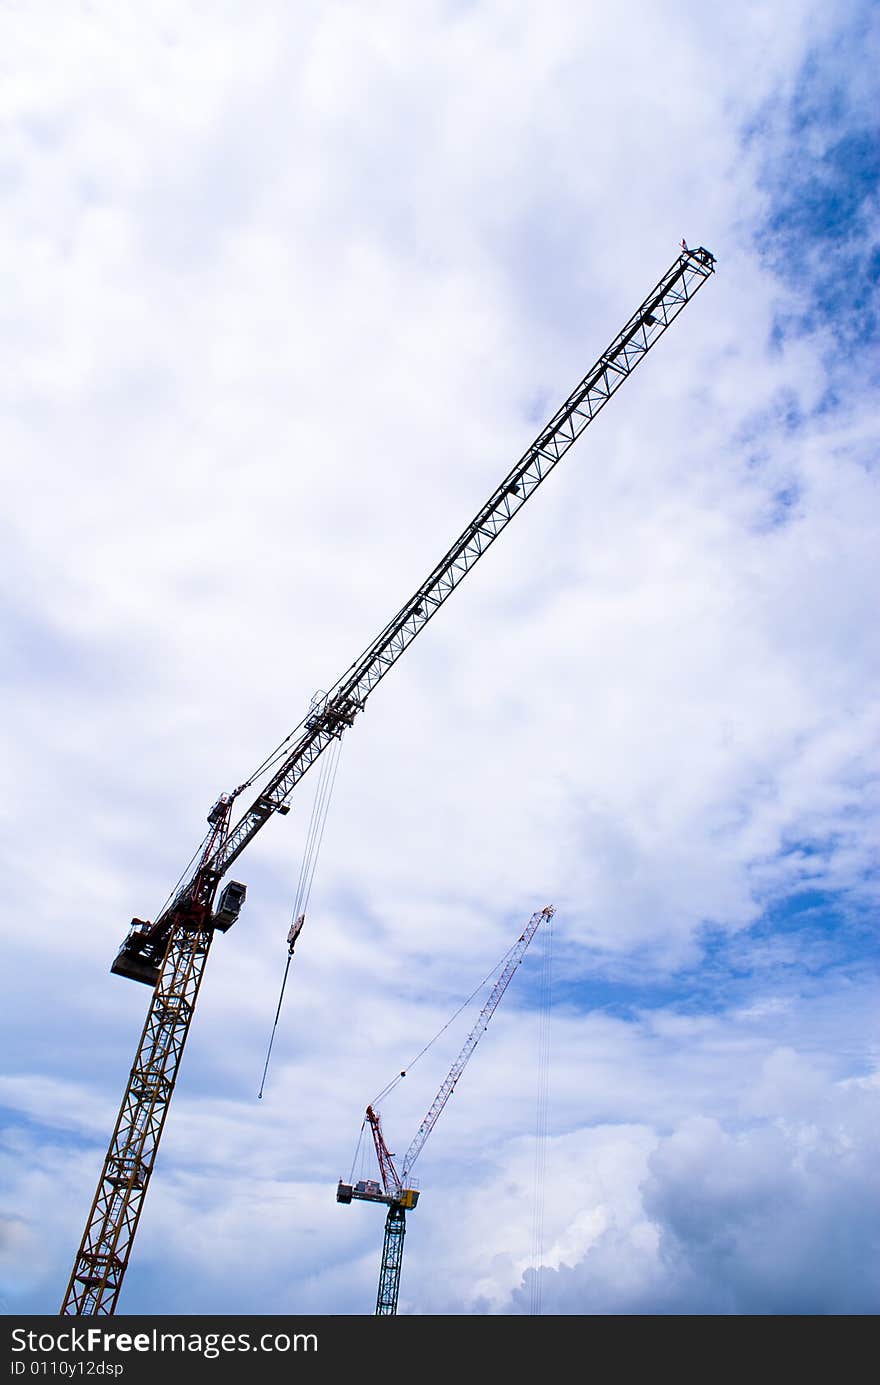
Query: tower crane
x=396, y=1188
x=170, y=953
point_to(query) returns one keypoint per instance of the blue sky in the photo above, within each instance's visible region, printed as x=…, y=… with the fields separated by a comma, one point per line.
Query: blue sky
x=285, y=306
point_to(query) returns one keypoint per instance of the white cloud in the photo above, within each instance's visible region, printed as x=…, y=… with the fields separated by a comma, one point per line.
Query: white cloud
x=289, y=297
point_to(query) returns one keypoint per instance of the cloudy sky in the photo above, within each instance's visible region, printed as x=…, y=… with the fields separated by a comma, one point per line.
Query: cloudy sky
x=287, y=290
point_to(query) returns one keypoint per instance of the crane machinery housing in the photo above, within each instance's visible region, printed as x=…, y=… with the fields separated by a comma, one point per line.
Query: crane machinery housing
x=396, y=1189
x=170, y=953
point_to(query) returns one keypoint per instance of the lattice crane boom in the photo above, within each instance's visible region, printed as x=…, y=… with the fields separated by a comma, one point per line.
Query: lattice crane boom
x=349, y=694
x=470, y=1043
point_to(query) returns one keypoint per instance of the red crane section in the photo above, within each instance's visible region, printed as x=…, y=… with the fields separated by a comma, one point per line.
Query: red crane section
x=390, y=1179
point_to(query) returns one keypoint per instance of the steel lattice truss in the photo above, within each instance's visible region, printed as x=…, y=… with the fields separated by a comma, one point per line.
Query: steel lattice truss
x=103, y=1255
x=473, y=1038
x=348, y=696
x=392, y=1258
